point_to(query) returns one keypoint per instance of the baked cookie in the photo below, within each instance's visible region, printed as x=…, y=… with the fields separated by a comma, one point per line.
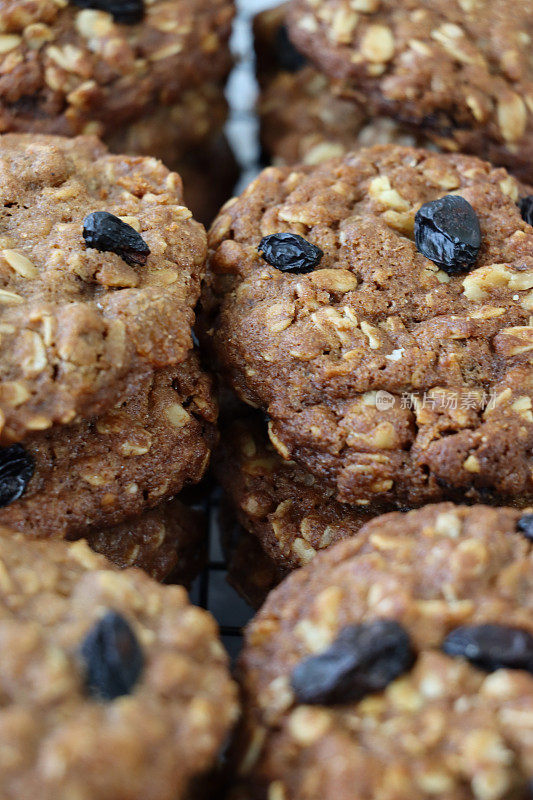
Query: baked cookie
x=301, y=117
x=394, y=363
x=113, y=685
x=68, y=68
x=88, y=303
x=66, y=480
x=168, y=542
x=250, y=571
x=398, y=664
x=171, y=132
x=459, y=70
x=191, y=144
x=279, y=503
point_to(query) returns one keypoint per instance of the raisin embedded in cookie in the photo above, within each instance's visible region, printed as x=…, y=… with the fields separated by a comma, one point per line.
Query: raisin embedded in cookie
x=88, y=66
x=167, y=542
x=80, y=323
x=391, y=377
x=103, y=470
x=459, y=70
x=397, y=664
x=114, y=686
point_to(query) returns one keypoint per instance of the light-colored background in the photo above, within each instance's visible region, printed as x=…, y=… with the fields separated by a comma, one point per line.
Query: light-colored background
x=242, y=127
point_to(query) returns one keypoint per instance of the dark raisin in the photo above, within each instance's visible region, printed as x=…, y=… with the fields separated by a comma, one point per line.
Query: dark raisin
x=288, y=57
x=108, y=233
x=16, y=469
x=113, y=658
x=362, y=659
x=125, y=12
x=525, y=204
x=289, y=252
x=492, y=647
x=447, y=232
x=525, y=526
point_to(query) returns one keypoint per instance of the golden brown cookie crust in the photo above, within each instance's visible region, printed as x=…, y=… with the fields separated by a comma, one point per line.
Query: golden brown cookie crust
x=69, y=70
x=445, y=727
x=167, y=542
x=104, y=470
x=460, y=70
x=302, y=118
x=450, y=355
x=80, y=326
x=280, y=504
x=56, y=740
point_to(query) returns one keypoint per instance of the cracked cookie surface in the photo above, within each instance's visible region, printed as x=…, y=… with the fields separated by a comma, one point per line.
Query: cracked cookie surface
x=79, y=326
x=384, y=376
x=69, y=70
x=444, y=727
x=104, y=470
x=60, y=741
x=461, y=70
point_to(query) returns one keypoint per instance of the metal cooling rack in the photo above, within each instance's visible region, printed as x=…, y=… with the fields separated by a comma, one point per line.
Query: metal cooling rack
x=213, y=592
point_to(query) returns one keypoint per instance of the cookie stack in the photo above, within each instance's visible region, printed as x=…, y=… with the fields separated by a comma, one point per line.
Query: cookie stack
x=375, y=312
x=106, y=413
x=146, y=77
x=456, y=75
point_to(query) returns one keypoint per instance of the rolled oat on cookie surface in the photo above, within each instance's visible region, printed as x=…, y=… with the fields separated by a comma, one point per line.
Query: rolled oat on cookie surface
x=303, y=118
x=70, y=480
x=460, y=70
x=83, y=67
x=290, y=513
x=398, y=664
x=167, y=542
x=378, y=308
x=113, y=685
x=101, y=266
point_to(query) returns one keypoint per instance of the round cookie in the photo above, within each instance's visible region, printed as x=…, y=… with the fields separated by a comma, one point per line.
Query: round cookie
x=113, y=685
x=460, y=70
x=70, y=69
x=385, y=376
x=167, y=542
x=79, y=325
x=280, y=504
x=104, y=470
x=302, y=119
x=362, y=673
